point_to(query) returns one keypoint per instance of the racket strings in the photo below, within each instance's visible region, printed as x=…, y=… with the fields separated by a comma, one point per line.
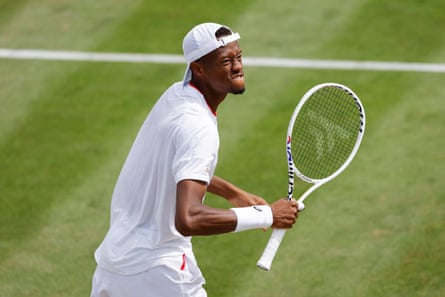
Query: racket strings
x=325, y=132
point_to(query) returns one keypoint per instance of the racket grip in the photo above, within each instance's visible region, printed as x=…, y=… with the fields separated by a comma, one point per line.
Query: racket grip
x=265, y=262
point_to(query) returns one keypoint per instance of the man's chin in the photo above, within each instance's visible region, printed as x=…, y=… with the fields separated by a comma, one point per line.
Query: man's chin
x=239, y=91
x=238, y=86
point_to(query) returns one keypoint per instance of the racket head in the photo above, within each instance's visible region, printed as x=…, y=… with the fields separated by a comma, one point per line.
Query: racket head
x=324, y=132
x=315, y=133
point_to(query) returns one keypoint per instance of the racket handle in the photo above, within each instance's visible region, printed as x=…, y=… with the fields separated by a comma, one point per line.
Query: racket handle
x=265, y=262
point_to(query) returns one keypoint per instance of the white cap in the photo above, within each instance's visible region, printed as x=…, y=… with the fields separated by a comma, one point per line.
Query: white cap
x=200, y=41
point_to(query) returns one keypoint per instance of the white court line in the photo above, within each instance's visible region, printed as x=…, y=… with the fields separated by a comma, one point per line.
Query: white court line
x=248, y=61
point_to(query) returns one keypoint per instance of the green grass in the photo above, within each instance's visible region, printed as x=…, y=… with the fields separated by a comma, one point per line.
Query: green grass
x=66, y=127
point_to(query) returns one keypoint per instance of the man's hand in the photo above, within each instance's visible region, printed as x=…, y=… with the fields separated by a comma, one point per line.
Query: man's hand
x=285, y=213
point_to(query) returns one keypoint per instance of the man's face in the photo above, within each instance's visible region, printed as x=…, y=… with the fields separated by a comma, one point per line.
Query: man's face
x=224, y=69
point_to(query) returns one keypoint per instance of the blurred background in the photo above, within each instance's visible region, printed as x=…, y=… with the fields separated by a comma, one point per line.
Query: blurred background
x=66, y=128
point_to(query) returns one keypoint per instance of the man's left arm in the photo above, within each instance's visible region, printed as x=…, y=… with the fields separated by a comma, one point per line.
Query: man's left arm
x=235, y=195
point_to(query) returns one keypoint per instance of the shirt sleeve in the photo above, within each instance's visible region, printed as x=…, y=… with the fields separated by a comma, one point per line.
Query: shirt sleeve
x=196, y=149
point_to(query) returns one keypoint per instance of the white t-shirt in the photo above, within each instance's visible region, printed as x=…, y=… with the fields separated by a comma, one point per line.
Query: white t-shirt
x=178, y=140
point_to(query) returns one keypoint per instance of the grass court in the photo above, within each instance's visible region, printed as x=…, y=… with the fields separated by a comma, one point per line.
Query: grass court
x=66, y=128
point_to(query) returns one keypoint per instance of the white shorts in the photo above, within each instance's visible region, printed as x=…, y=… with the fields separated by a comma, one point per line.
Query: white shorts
x=180, y=277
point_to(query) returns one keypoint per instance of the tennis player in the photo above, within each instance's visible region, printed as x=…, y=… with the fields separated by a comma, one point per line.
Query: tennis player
x=157, y=204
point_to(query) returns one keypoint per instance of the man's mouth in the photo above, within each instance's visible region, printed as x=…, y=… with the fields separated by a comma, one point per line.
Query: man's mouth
x=238, y=76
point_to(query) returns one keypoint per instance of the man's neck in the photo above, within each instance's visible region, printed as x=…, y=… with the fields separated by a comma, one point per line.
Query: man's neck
x=212, y=98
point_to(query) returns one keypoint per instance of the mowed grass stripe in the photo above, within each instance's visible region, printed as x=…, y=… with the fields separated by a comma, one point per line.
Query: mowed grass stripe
x=57, y=259
x=78, y=25
x=43, y=24
x=65, y=137
x=413, y=195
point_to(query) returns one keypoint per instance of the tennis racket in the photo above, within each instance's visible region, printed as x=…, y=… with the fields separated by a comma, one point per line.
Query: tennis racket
x=323, y=136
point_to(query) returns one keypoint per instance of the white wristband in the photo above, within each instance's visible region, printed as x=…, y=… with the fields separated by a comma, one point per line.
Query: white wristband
x=253, y=217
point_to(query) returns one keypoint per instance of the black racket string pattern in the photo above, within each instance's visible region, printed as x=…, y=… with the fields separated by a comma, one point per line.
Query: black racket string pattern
x=325, y=132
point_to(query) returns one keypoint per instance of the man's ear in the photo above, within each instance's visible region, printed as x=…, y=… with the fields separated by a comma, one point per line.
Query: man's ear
x=197, y=69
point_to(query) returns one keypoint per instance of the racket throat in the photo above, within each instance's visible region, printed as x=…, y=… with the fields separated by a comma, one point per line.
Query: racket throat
x=290, y=166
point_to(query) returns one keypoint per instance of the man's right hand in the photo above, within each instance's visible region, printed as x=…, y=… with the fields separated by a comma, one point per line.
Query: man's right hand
x=285, y=213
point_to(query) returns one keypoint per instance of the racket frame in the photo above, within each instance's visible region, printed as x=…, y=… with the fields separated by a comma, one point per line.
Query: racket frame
x=265, y=262
x=291, y=126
